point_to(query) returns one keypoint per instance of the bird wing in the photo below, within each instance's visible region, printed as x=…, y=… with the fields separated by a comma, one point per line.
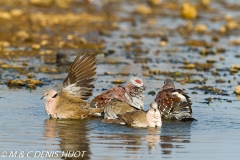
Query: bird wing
x=183, y=109
x=166, y=101
x=116, y=107
x=139, y=117
x=135, y=118
x=72, y=111
x=174, y=102
x=104, y=98
x=80, y=77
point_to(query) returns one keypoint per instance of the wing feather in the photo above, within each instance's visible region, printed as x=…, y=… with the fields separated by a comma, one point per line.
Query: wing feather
x=80, y=77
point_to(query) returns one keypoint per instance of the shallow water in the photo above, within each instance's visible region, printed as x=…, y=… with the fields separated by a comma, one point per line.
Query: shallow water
x=26, y=127
x=26, y=132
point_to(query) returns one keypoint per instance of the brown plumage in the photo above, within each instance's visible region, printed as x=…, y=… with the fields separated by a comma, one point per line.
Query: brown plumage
x=135, y=118
x=174, y=103
x=77, y=87
x=138, y=118
x=103, y=99
x=116, y=107
x=130, y=94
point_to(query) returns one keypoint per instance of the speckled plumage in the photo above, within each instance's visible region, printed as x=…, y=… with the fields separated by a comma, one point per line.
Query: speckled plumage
x=174, y=103
x=130, y=95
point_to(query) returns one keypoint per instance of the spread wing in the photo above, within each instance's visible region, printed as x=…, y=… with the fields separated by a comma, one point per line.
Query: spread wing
x=80, y=76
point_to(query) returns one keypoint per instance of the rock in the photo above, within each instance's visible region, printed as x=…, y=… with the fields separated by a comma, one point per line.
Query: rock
x=16, y=12
x=41, y=3
x=233, y=71
x=36, y=46
x=63, y=3
x=222, y=29
x=162, y=43
x=152, y=93
x=188, y=66
x=16, y=82
x=198, y=43
x=236, y=66
x=4, y=43
x=200, y=28
x=33, y=81
x=118, y=81
x=235, y=41
x=205, y=3
x=231, y=25
x=5, y=15
x=31, y=86
x=142, y=9
x=188, y=11
x=237, y=90
x=154, y=2
x=23, y=35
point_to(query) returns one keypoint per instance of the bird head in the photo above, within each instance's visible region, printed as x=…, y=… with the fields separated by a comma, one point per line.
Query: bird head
x=48, y=95
x=50, y=103
x=154, y=106
x=136, y=82
x=168, y=84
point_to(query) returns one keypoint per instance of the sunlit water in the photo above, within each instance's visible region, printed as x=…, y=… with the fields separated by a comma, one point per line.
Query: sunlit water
x=25, y=127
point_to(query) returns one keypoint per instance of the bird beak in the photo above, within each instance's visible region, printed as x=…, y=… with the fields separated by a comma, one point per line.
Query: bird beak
x=42, y=97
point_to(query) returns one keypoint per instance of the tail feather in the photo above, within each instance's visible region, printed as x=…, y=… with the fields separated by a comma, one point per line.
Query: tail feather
x=187, y=119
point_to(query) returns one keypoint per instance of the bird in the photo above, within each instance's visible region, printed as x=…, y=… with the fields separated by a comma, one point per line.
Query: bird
x=174, y=103
x=139, y=118
x=116, y=107
x=130, y=96
x=70, y=102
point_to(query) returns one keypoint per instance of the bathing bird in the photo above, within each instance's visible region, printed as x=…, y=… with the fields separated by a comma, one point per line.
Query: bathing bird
x=138, y=118
x=70, y=102
x=121, y=99
x=174, y=103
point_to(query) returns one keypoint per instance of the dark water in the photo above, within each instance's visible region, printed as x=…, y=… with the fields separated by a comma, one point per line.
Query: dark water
x=26, y=130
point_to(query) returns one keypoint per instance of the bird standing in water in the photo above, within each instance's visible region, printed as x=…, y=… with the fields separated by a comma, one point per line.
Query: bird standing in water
x=119, y=100
x=77, y=87
x=174, y=103
x=138, y=118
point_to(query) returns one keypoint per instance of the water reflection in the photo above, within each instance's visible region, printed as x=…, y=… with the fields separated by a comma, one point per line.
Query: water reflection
x=135, y=143
x=71, y=135
x=238, y=97
x=174, y=135
x=107, y=141
x=152, y=138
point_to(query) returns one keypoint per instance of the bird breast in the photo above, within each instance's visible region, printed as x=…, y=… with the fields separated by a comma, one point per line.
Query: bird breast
x=153, y=116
